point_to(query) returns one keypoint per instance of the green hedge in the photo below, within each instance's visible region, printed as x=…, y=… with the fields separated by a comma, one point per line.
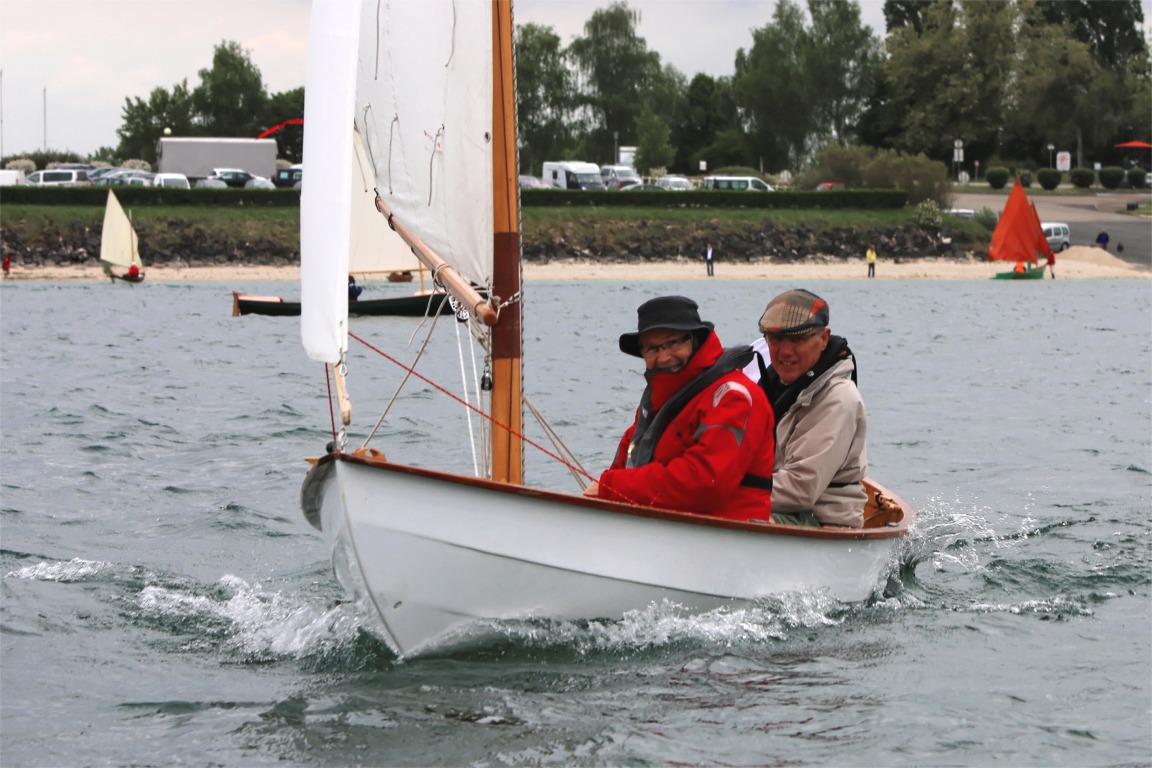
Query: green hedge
x=1082, y=178
x=145, y=196
x=997, y=177
x=857, y=199
x=1137, y=177
x=1049, y=178
x=1111, y=177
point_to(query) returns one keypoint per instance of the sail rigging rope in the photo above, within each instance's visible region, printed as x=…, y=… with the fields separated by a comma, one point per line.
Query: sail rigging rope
x=495, y=422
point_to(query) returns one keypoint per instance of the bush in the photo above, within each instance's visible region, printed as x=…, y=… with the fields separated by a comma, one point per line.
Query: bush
x=1136, y=177
x=1049, y=178
x=987, y=218
x=21, y=164
x=927, y=214
x=1083, y=178
x=871, y=168
x=1111, y=177
x=997, y=177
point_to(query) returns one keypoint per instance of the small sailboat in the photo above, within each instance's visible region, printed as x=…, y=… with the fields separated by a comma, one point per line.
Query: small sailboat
x=1018, y=238
x=119, y=245
x=375, y=249
x=443, y=558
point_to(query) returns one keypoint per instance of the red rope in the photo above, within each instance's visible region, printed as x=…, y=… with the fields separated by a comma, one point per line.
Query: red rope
x=471, y=407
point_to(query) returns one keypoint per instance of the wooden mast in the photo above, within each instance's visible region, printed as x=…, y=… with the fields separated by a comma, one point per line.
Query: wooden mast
x=507, y=454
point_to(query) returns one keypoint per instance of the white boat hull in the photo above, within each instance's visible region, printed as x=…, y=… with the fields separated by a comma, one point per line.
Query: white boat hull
x=437, y=553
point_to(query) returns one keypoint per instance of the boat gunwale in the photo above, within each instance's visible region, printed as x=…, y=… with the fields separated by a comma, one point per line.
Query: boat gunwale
x=893, y=530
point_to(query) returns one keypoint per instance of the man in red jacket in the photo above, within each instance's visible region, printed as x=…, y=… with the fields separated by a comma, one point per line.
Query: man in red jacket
x=702, y=440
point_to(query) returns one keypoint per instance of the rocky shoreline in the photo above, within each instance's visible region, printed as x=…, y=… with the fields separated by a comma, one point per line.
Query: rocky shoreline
x=173, y=243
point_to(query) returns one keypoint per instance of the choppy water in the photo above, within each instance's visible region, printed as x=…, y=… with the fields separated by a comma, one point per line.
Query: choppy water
x=164, y=602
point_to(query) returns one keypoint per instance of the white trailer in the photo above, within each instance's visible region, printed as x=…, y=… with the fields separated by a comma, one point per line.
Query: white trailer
x=196, y=157
x=572, y=174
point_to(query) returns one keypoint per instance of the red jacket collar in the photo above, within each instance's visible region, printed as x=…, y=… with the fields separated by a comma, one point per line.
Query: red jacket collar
x=664, y=385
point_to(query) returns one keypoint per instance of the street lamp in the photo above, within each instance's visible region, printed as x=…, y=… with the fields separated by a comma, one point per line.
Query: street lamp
x=1050, y=148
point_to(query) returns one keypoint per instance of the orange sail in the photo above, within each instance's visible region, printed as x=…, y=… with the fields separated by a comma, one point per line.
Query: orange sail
x=1018, y=235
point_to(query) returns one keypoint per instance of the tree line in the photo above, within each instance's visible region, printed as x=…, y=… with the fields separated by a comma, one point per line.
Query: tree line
x=1007, y=78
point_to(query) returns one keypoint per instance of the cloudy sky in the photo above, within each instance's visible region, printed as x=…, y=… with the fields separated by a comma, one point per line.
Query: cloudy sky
x=67, y=66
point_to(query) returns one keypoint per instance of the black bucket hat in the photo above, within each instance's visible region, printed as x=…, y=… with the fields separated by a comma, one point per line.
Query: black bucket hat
x=677, y=313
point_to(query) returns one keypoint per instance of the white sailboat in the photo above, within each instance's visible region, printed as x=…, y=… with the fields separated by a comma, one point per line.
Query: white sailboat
x=441, y=556
x=119, y=245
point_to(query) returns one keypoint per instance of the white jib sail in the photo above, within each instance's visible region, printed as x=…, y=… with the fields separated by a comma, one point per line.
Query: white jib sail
x=374, y=247
x=117, y=237
x=424, y=111
x=325, y=200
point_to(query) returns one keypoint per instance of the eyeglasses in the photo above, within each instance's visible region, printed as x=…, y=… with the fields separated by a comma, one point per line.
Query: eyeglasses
x=654, y=350
x=796, y=338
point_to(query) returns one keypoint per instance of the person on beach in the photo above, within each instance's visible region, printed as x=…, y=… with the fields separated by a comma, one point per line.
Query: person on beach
x=1102, y=239
x=7, y=266
x=821, y=425
x=354, y=290
x=870, y=257
x=708, y=258
x=701, y=440
x=133, y=272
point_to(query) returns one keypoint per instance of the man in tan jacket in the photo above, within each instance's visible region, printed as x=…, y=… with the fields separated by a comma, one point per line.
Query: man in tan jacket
x=821, y=425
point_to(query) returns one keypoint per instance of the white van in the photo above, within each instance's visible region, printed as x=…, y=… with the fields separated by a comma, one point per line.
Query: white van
x=57, y=177
x=616, y=176
x=737, y=183
x=176, y=180
x=12, y=178
x=1058, y=234
x=573, y=174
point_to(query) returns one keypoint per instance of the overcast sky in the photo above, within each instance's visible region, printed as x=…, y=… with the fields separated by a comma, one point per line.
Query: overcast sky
x=66, y=66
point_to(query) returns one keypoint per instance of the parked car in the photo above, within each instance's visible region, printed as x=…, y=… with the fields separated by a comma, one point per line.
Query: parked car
x=211, y=183
x=960, y=213
x=1058, y=234
x=828, y=186
x=641, y=187
x=124, y=177
x=12, y=178
x=57, y=177
x=259, y=182
x=675, y=183
x=288, y=177
x=618, y=176
x=532, y=182
x=738, y=183
x=233, y=177
x=175, y=180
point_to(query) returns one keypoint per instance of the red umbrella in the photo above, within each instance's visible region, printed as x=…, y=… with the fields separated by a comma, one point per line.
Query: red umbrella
x=1136, y=145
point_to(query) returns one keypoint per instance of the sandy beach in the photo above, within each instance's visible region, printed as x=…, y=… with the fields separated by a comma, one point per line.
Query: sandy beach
x=1076, y=263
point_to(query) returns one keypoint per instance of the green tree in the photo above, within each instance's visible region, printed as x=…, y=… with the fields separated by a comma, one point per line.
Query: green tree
x=618, y=74
x=279, y=108
x=231, y=98
x=144, y=121
x=707, y=112
x=1111, y=30
x=545, y=95
x=842, y=63
x=653, y=149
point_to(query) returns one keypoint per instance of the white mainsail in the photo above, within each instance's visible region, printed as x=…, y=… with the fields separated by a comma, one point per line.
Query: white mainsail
x=118, y=241
x=374, y=246
x=424, y=110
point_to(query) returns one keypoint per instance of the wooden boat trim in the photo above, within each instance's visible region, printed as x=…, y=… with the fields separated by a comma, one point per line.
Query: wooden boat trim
x=890, y=520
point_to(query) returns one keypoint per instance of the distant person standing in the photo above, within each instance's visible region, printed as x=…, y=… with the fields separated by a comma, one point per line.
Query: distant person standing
x=870, y=257
x=1102, y=239
x=7, y=266
x=354, y=290
x=708, y=259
